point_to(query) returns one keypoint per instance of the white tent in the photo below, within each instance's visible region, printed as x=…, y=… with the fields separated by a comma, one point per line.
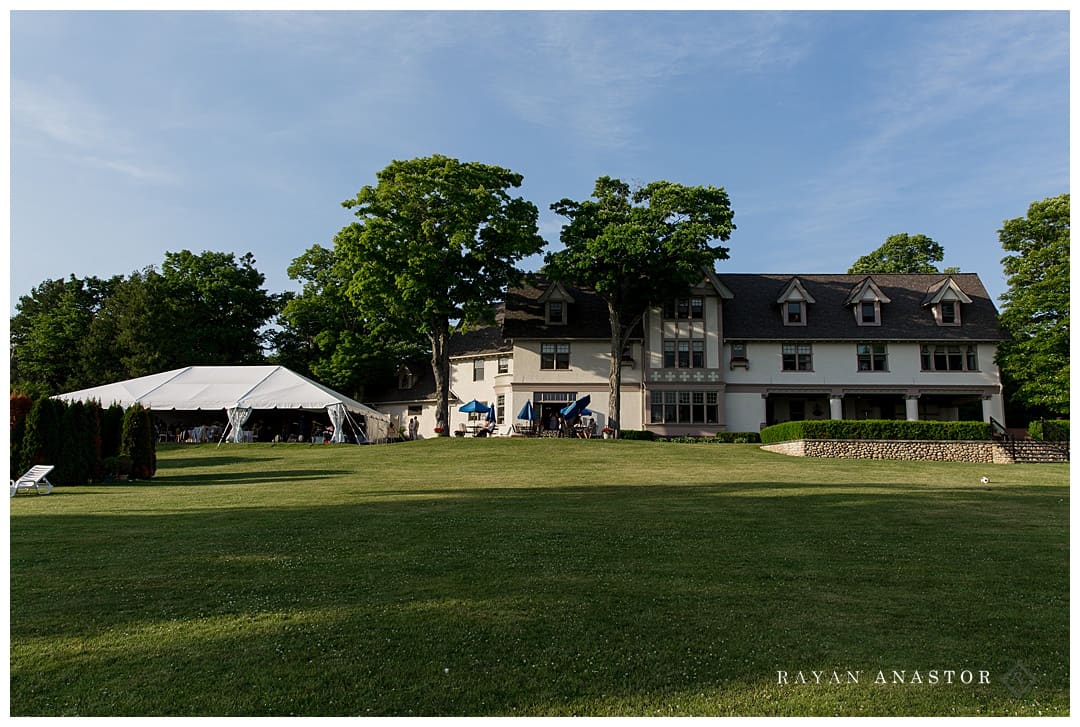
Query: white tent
x=238, y=390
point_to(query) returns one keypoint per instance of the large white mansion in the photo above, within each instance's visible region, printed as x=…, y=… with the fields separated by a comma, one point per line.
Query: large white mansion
x=737, y=353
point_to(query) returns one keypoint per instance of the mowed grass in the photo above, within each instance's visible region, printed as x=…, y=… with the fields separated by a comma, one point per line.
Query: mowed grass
x=541, y=577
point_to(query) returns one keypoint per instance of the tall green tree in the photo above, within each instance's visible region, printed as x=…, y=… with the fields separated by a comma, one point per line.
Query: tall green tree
x=638, y=249
x=48, y=332
x=436, y=245
x=209, y=308
x=1036, y=305
x=902, y=253
x=217, y=308
x=132, y=334
x=323, y=334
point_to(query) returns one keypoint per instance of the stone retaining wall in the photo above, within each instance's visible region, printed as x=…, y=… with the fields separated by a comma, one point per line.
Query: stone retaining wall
x=908, y=449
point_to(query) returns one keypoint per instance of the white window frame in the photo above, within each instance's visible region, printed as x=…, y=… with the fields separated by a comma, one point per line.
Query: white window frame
x=787, y=313
x=559, y=353
x=549, y=319
x=798, y=353
x=968, y=354
x=859, y=313
x=872, y=356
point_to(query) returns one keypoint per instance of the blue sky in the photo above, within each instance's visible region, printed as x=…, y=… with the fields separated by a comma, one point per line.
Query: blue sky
x=137, y=133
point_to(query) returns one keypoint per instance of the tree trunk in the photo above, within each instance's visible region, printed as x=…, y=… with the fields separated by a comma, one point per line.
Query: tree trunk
x=615, y=372
x=440, y=367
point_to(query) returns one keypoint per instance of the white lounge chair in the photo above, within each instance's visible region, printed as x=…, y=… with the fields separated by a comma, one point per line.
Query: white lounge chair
x=35, y=479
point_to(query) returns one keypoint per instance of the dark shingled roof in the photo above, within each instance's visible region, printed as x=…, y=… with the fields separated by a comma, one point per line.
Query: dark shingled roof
x=586, y=317
x=754, y=314
x=483, y=340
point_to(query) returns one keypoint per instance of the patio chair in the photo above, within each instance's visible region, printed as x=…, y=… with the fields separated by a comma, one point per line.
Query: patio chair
x=35, y=479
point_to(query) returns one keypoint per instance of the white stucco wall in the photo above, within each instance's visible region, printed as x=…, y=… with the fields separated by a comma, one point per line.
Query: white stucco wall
x=836, y=363
x=745, y=412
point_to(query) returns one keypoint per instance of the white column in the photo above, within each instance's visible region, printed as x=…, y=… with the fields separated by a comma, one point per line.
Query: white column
x=911, y=404
x=836, y=407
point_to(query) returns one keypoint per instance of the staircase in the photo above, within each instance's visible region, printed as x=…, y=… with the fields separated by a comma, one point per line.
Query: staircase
x=1012, y=449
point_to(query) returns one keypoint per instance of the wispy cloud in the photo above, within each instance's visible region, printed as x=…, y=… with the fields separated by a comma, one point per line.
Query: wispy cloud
x=967, y=81
x=594, y=73
x=52, y=114
x=591, y=74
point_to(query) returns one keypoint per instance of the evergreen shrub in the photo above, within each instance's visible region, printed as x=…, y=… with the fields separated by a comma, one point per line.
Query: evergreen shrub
x=875, y=429
x=642, y=435
x=1053, y=430
x=137, y=442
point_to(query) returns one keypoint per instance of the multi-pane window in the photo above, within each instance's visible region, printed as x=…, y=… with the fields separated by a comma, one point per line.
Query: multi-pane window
x=949, y=357
x=684, y=354
x=504, y=364
x=868, y=311
x=555, y=311
x=797, y=357
x=554, y=356
x=684, y=407
x=478, y=369
x=685, y=308
x=500, y=408
x=872, y=356
x=948, y=312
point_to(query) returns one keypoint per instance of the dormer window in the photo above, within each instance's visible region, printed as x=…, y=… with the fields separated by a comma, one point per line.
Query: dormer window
x=555, y=312
x=794, y=313
x=868, y=312
x=866, y=299
x=948, y=313
x=793, y=300
x=556, y=301
x=944, y=298
x=406, y=378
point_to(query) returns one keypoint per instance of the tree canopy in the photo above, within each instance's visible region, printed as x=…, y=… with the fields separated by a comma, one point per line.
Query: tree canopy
x=200, y=309
x=902, y=253
x=325, y=336
x=637, y=249
x=1036, y=312
x=436, y=245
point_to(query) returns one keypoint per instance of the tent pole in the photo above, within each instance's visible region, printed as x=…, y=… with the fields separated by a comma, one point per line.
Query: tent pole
x=225, y=433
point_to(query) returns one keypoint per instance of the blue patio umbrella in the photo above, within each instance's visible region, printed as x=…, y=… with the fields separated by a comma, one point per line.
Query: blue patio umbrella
x=474, y=406
x=574, y=409
x=491, y=414
x=527, y=412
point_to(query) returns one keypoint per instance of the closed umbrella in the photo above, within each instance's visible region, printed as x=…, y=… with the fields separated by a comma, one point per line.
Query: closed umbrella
x=491, y=414
x=527, y=412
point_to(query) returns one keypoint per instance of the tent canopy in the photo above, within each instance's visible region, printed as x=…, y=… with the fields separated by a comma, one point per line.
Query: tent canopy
x=225, y=387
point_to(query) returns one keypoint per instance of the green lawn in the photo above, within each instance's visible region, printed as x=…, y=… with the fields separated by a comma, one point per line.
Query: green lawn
x=541, y=577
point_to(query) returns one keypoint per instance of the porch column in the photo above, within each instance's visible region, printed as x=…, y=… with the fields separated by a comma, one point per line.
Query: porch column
x=911, y=404
x=836, y=407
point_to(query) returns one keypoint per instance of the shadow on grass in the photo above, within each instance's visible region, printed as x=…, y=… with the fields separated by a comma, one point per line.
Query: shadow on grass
x=563, y=600
x=191, y=461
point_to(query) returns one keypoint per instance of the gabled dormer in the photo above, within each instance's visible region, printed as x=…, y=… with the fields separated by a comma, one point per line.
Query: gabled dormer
x=944, y=298
x=865, y=300
x=406, y=378
x=793, y=301
x=556, y=301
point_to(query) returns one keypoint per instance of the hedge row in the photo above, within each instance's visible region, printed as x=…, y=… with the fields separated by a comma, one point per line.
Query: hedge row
x=82, y=441
x=1056, y=430
x=718, y=438
x=875, y=429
